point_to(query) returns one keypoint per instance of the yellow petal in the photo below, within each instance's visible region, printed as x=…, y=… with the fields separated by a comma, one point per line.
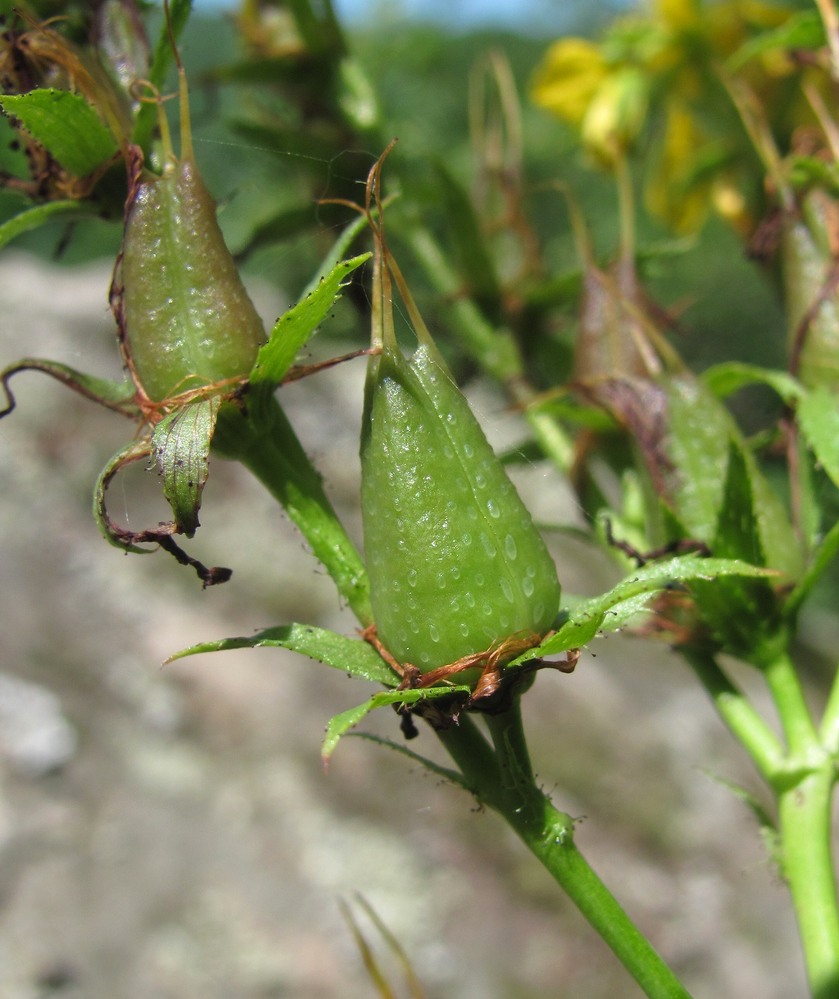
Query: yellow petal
x=568, y=78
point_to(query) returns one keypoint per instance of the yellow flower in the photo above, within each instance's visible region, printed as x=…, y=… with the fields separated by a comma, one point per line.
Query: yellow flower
x=668, y=58
x=568, y=78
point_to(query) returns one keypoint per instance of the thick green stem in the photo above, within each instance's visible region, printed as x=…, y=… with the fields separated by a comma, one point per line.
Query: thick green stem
x=802, y=778
x=804, y=792
x=265, y=443
x=804, y=812
x=502, y=778
x=738, y=713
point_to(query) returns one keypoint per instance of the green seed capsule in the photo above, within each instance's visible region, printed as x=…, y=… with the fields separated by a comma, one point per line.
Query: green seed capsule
x=455, y=562
x=811, y=298
x=187, y=320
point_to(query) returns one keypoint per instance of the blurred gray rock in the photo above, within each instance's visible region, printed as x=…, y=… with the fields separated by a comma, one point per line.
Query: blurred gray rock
x=35, y=737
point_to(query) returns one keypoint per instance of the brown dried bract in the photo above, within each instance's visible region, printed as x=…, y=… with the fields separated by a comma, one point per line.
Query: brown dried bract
x=491, y=688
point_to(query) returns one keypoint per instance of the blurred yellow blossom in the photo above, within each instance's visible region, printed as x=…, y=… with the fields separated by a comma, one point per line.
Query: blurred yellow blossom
x=569, y=77
x=655, y=77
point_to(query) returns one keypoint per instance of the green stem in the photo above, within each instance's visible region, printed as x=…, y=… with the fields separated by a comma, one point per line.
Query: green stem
x=502, y=778
x=804, y=812
x=265, y=443
x=788, y=696
x=738, y=713
x=802, y=779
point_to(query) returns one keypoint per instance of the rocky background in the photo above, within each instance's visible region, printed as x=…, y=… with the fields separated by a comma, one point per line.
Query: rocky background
x=169, y=833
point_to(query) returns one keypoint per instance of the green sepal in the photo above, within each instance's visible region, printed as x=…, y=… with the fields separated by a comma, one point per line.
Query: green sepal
x=161, y=535
x=180, y=447
x=739, y=613
x=65, y=125
x=701, y=437
x=119, y=396
x=818, y=419
x=340, y=724
x=613, y=610
x=349, y=655
x=295, y=327
x=737, y=533
x=127, y=455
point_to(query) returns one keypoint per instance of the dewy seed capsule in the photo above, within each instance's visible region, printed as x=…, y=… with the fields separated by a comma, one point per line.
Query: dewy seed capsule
x=455, y=562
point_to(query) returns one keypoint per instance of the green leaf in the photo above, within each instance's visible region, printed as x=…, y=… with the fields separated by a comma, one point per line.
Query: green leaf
x=65, y=125
x=340, y=724
x=698, y=433
x=700, y=436
x=818, y=418
x=737, y=532
x=293, y=329
x=350, y=655
x=724, y=379
x=735, y=610
x=611, y=611
x=134, y=451
x=181, y=449
x=33, y=218
x=337, y=252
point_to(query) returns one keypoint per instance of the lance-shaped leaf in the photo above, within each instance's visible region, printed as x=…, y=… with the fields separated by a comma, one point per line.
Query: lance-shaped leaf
x=64, y=124
x=615, y=609
x=340, y=724
x=741, y=614
x=349, y=655
x=181, y=448
x=296, y=326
